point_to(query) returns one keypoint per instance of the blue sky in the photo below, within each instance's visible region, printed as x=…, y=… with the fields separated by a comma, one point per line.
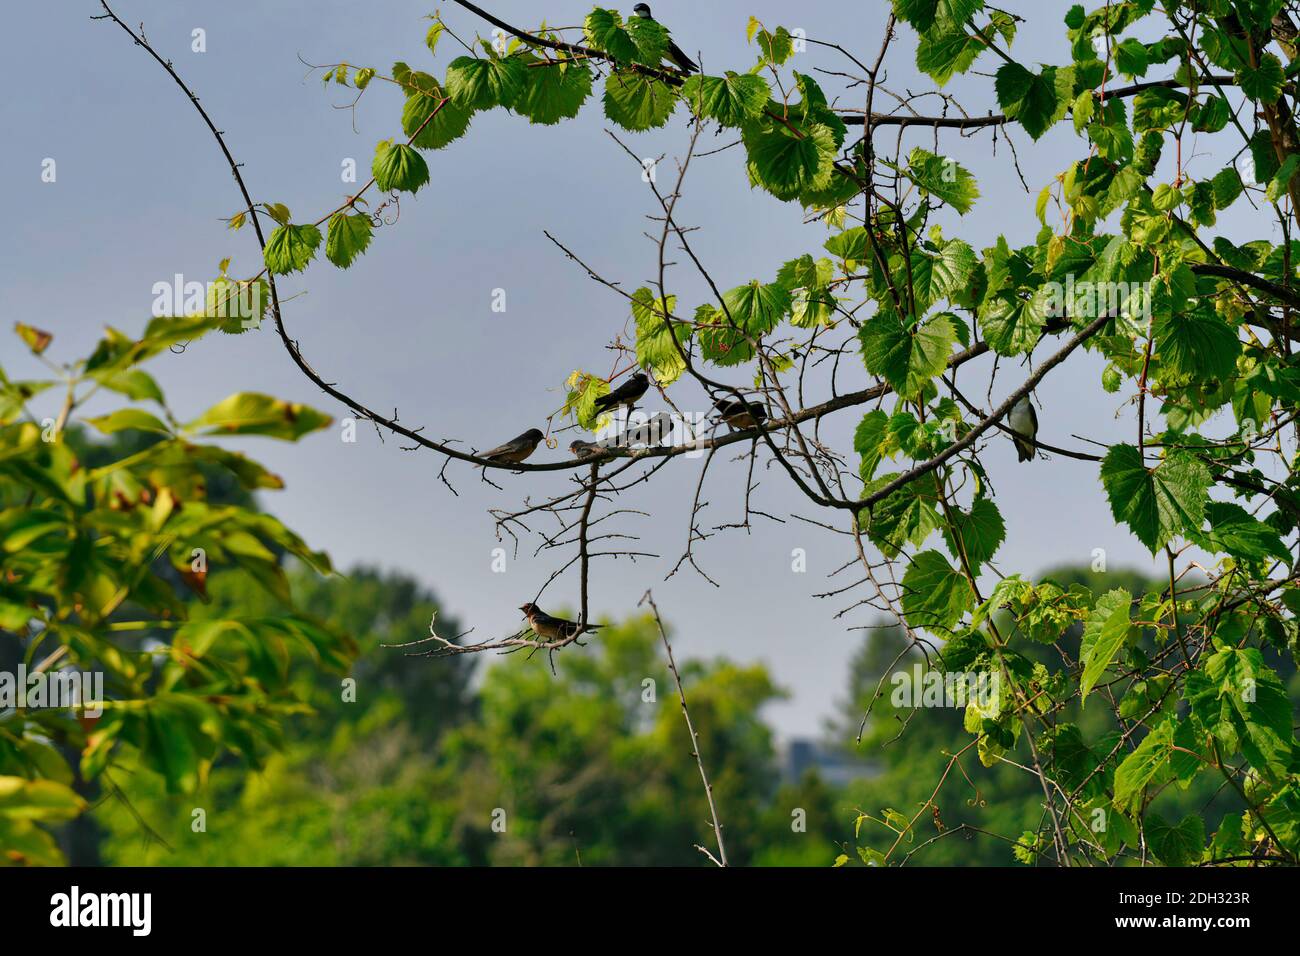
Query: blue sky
x=142, y=189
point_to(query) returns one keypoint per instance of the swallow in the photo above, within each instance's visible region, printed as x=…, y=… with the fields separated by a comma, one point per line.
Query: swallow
x=1023, y=420
x=517, y=449
x=741, y=414
x=684, y=62
x=627, y=394
x=586, y=449
x=553, y=628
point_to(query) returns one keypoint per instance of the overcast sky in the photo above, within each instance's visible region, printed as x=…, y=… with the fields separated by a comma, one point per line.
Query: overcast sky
x=141, y=190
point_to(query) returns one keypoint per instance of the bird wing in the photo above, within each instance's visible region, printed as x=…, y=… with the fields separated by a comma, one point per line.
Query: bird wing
x=681, y=59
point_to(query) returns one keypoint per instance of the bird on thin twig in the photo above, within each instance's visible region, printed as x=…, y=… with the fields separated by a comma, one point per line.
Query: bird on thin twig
x=684, y=62
x=553, y=628
x=627, y=394
x=1023, y=420
x=740, y=414
x=517, y=449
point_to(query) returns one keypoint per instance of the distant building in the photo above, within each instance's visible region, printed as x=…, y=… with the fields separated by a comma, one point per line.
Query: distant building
x=798, y=755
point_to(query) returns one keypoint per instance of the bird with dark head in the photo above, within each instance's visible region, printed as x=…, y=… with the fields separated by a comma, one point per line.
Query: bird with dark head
x=553, y=628
x=1023, y=421
x=683, y=62
x=517, y=449
x=740, y=414
x=626, y=395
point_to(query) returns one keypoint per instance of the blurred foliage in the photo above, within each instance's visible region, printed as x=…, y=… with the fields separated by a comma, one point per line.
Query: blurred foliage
x=107, y=552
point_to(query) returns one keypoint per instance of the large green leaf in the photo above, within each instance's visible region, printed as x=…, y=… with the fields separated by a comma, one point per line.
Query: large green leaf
x=1037, y=100
x=907, y=358
x=553, y=91
x=638, y=102
x=1158, y=503
x=398, y=166
x=348, y=237
x=943, y=178
x=655, y=331
x=935, y=594
x=1243, y=702
x=481, y=83
x=787, y=160
x=291, y=247
x=730, y=99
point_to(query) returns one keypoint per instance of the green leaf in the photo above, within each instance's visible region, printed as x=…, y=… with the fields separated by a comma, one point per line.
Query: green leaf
x=1245, y=705
x=398, y=166
x=604, y=31
x=655, y=350
x=731, y=100
x=1235, y=531
x=1281, y=181
x=869, y=441
x=44, y=800
x=1131, y=57
x=638, y=102
x=1011, y=325
x=980, y=531
x=1179, y=845
x=924, y=15
x=1263, y=83
x=1103, y=636
x=935, y=595
x=943, y=54
x=1037, y=100
x=125, y=418
x=757, y=308
x=290, y=248
x=1197, y=344
x=434, y=120
x=251, y=413
x=907, y=358
x=787, y=161
x=1146, y=765
x=480, y=83
x=348, y=237
x=943, y=178
x=553, y=92
x=1159, y=503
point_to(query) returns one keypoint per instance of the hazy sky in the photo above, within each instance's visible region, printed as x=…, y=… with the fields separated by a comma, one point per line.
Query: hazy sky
x=142, y=189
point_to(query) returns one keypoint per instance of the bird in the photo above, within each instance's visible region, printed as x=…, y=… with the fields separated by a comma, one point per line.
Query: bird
x=684, y=62
x=517, y=449
x=553, y=628
x=1023, y=420
x=627, y=394
x=586, y=449
x=741, y=414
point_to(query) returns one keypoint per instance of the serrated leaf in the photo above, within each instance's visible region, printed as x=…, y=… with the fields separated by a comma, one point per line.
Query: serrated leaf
x=730, y=99
x=348, y=237
x=944, y=178
x=638, y=102
x=553, y=92
x=398, y=166
x=907, y=358
x=291, y=248
x=481, y=83
x=1158, y=503
x=935, y=595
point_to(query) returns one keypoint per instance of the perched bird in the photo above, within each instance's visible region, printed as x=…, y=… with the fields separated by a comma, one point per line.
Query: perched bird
x=553, y=628
x=684, y=62
x=586, y=449
x=517, y=449
x=741, y=414
x=627, y=394
x=1023, y=420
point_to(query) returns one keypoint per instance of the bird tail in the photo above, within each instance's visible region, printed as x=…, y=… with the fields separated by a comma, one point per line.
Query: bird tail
x=1025, y=450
